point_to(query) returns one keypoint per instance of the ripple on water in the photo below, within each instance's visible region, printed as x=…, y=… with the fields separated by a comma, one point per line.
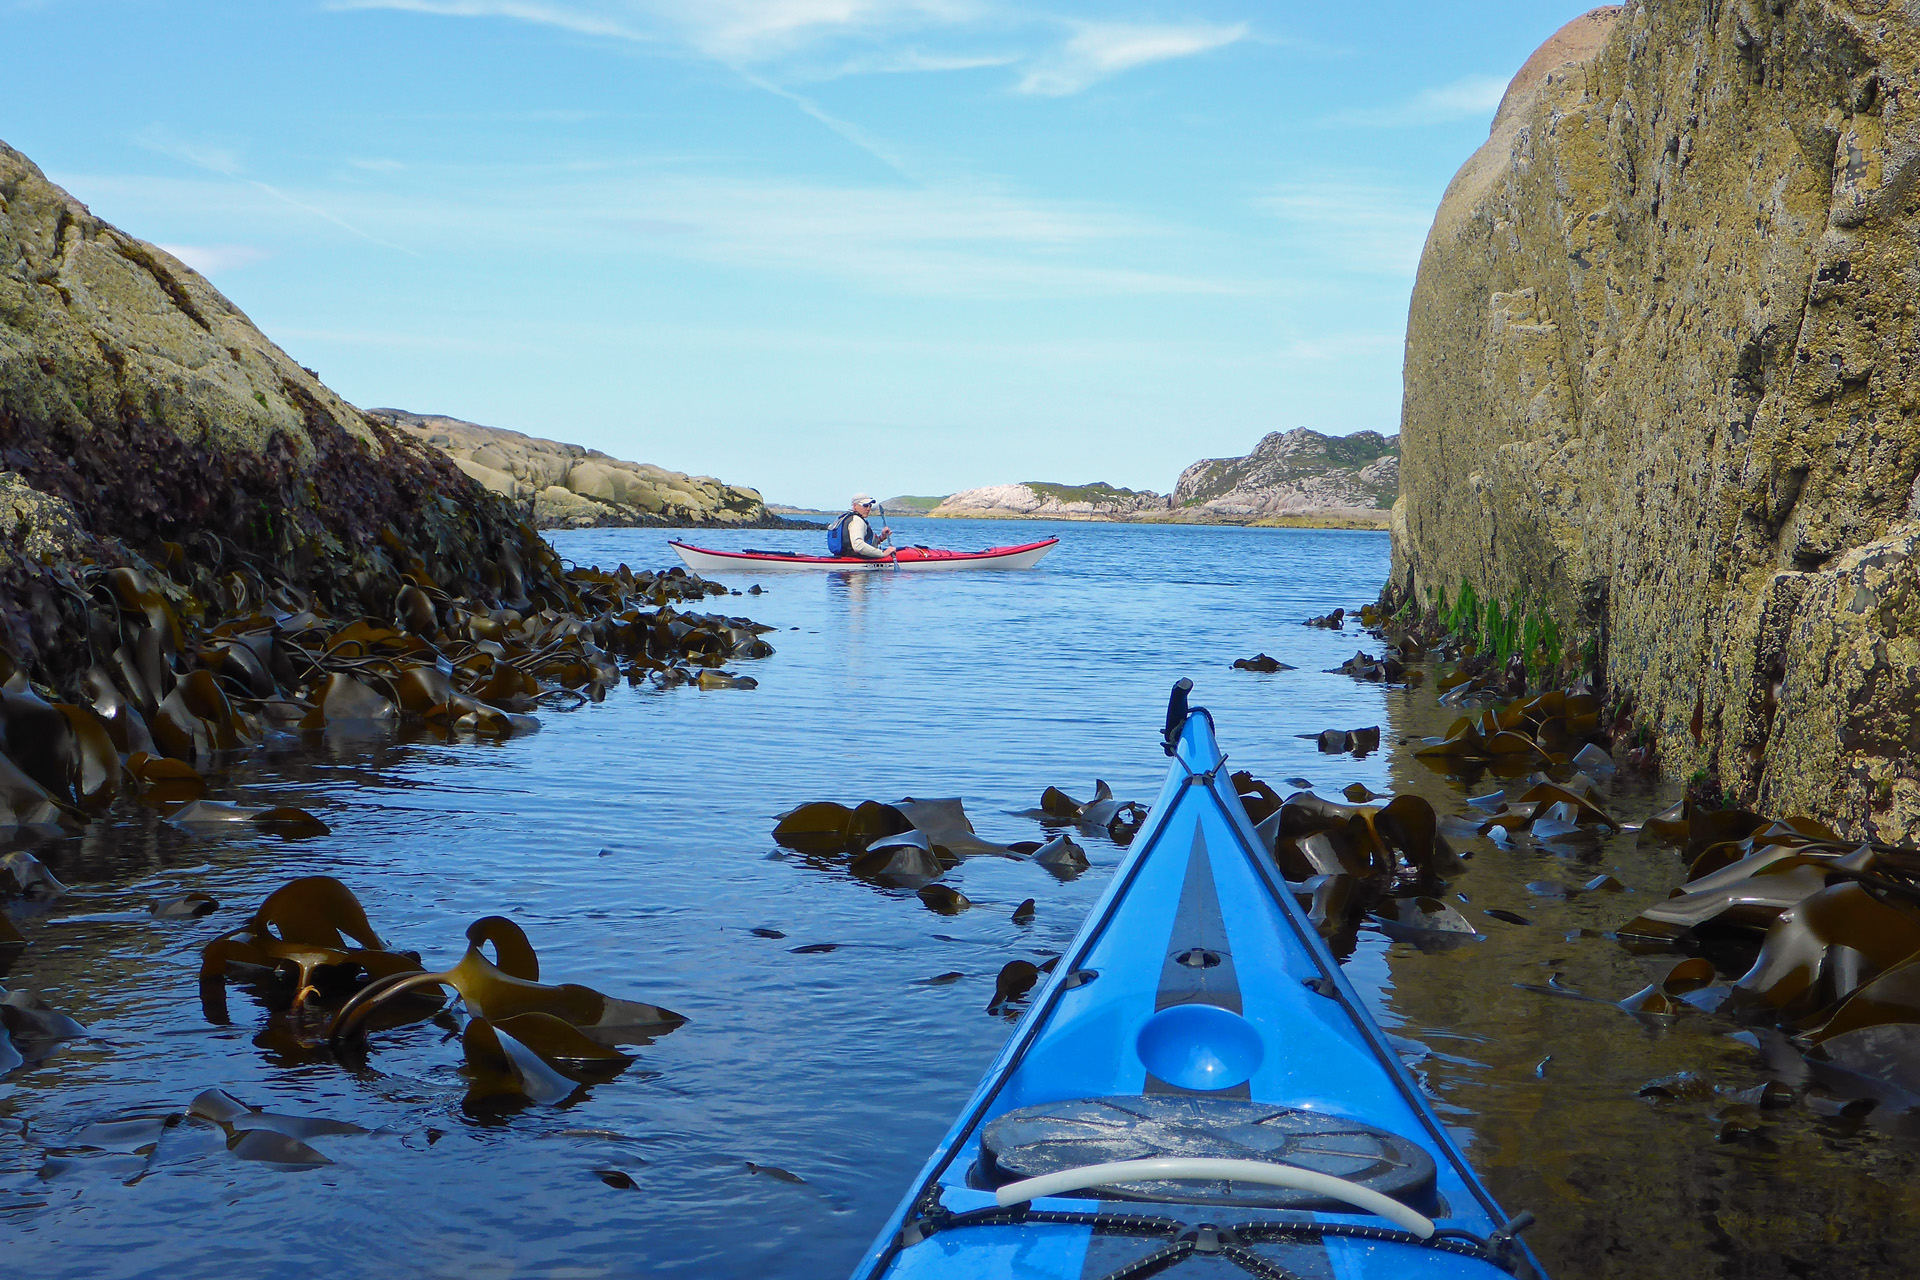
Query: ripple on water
x=630, y=840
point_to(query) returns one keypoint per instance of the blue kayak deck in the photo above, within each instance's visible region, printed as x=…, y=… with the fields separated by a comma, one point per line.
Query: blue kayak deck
x=1198, y=916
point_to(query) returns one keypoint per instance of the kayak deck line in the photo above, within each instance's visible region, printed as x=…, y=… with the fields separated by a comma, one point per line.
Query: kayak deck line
x=1499, y=1247
x=916, y=558
x=1195, y=1046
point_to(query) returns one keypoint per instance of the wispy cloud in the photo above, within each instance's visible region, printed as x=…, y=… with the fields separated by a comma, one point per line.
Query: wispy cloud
x=1353, y=225
x=879, y=239
x=1463, y=99
x=211, y=156
x=733, y=31
x=1097, y=50
x=760, y=30
x=213, y=259
x=826, y=39
x=578, y=19
x=225, y=161
x=907, y=61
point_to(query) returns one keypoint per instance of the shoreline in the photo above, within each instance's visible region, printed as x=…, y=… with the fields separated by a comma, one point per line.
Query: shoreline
x=1342, y=519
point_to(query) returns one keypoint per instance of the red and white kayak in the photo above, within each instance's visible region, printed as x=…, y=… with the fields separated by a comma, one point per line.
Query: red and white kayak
x=706, y=560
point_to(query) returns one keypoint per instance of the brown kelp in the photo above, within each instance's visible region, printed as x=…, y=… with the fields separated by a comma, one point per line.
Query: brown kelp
x=180, y=671
x=1333, y=742
x=503, y=988
x=1119, y=820
x=823, y=828
x=1836, y=977
x=215, y=1123
x=1547, y=729
x=913, y=843
x=309, y=940
x=1345, y=862
x=1364, y=666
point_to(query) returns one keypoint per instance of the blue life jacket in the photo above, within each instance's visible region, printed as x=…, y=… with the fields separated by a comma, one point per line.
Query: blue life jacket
x=837, y=535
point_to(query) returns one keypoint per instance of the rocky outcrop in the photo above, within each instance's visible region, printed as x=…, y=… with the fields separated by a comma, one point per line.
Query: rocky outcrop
x=1039, y=500
x=144, y=419
x=1296, y=472
x=1661, y=384
x=568, y=486
x=908, y=503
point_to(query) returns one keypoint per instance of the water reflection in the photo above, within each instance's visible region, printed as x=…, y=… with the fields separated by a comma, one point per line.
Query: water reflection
x=827, y=1040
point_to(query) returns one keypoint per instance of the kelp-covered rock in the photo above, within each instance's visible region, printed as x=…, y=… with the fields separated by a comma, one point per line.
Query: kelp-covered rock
x=570, y=486
x=1660, y=387
x=144, y=420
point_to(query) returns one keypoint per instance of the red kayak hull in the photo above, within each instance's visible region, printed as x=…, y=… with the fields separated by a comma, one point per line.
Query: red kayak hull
x=1023, y=556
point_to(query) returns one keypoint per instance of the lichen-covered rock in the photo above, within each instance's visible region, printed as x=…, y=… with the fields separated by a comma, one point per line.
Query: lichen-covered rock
x=572, y=487
x=1661, y=383
x=1295, y=473
x=36, y=526
x=142, y=415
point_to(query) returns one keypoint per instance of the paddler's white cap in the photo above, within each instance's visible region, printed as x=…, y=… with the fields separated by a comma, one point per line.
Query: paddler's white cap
x=860, y=498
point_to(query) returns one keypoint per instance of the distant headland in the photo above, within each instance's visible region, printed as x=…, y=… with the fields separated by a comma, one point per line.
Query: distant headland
x=1297, y=477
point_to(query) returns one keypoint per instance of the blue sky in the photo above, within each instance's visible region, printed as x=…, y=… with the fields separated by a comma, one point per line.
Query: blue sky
x=908, y=246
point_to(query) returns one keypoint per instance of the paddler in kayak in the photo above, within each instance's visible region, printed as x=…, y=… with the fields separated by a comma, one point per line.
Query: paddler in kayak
x=852, y=534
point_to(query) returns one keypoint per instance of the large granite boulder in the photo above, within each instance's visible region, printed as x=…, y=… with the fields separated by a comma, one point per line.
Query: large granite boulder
x=143, y=415
x=571, y=486
x=1298, y=472
x=1661, y=384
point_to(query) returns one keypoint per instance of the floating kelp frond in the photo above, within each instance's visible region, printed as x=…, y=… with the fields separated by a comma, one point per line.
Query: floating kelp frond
x=1666, y=997
x=295, y=946
x=499, y=991
x=1378, y=844
x=944, y=899
x=26, y=876
x=165, y=781
x=1335, y=742
x=1422, y=919
x=1117, y=819
x=34, y=1027
x=212, y=815
x=1015, y=980
x=1062, y=857
x=1364, y=666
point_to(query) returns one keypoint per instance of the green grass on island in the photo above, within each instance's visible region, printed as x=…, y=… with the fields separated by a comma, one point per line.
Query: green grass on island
x=1097, y=491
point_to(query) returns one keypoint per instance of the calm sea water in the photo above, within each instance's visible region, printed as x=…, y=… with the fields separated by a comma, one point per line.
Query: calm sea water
x=775, y=1131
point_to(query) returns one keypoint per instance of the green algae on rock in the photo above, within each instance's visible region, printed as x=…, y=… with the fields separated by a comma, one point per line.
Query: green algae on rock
x=1659, y=386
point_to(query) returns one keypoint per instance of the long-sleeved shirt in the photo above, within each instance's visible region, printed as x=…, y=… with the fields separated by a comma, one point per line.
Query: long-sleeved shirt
x=858, y=531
